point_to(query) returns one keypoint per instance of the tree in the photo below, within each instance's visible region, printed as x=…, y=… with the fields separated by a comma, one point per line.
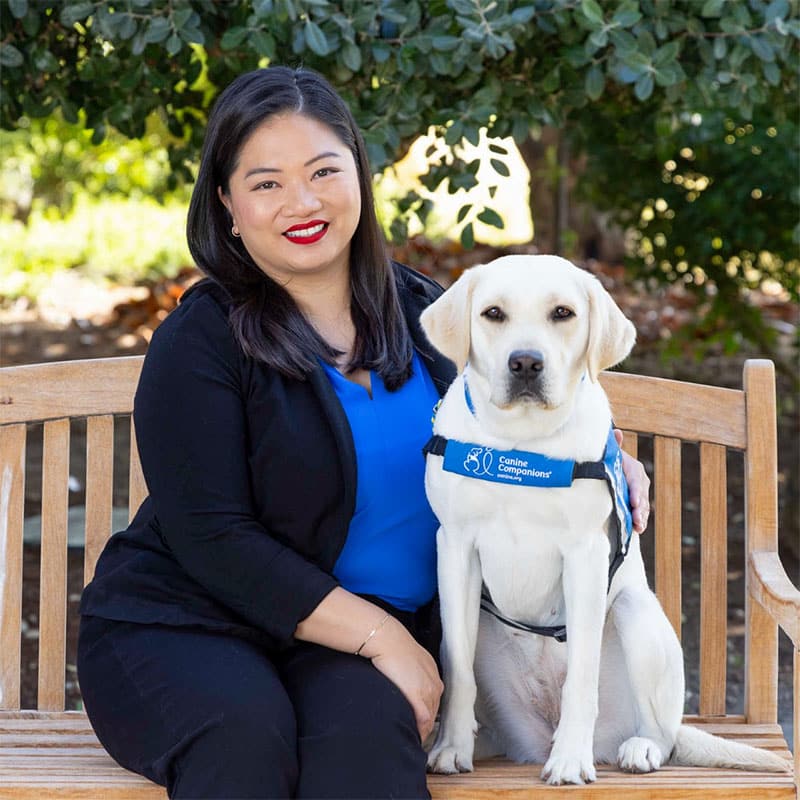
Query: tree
x=459, y=65
x=516, y=68
x=721, y=217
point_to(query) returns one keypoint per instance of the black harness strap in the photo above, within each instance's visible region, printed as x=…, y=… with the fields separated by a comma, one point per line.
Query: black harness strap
x=436, y=446
x=558, y=632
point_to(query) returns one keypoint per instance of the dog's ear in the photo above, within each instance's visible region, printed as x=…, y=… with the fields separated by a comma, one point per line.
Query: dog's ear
x=611, y=333
x=446, y=321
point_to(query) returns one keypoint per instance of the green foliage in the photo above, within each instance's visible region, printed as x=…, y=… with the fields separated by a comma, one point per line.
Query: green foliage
x=722, y=217
x=402, y=65
x=127, y=241
x=50, y=162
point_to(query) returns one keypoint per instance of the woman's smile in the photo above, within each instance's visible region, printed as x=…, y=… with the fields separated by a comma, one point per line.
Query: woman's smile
x=307, y=233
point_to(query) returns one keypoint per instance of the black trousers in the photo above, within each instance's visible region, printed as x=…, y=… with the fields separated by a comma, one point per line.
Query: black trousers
x=210, y=715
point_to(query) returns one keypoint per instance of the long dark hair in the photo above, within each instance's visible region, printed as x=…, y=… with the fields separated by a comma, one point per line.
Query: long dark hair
x=265, y=319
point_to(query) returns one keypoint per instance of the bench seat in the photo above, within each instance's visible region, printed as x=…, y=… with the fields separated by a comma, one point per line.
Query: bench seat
x=56, y=755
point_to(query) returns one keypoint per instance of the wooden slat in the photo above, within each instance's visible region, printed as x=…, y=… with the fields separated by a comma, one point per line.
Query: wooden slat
x=761, y=534
x=137, y=488
x=69, y=389
x=99, y=488
x=12, y=498
x=106, y=386
x=630, y=443
x=713, y=578
x=53, y=586
x=667, y=466
x=677, y=409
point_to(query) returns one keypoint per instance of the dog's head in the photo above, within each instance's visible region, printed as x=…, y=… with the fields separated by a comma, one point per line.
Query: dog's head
x=531, y=326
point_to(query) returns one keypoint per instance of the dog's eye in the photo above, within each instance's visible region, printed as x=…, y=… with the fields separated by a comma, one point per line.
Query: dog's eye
x=494, y=313
x=562, y=312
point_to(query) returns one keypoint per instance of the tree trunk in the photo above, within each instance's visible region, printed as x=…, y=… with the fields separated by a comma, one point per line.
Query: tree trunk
x=542, y=202
x=560, y=225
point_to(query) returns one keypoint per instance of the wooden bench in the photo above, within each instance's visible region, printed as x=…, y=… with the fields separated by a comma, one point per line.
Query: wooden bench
x=48, y=752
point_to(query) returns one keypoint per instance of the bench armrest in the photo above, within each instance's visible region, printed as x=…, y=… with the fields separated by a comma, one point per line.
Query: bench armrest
x=770, y=586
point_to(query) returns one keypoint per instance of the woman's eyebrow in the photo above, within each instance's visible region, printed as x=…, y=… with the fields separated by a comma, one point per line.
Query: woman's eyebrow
x=328, y=154
x=259, y=170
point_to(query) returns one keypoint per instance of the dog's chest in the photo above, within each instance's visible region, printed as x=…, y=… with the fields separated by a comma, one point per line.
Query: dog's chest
x=521, y=546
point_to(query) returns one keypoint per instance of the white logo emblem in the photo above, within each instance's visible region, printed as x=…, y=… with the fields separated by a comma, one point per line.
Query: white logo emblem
x=479, y=461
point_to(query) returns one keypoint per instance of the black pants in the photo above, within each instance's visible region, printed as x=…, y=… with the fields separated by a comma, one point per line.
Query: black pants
x=210, y=715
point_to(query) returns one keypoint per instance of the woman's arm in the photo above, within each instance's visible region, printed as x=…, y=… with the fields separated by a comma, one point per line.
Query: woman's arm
x=192, y=434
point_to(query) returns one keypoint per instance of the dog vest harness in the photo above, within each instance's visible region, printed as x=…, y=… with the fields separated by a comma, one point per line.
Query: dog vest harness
x=521, y=468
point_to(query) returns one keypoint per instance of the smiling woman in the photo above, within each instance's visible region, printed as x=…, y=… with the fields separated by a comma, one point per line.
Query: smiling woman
x=282, y=157
x=276, y=589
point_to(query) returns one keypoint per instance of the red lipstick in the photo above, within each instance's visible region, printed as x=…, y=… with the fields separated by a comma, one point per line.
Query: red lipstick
x=307, y=232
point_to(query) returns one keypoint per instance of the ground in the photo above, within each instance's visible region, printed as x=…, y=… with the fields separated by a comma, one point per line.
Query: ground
x=77, y=322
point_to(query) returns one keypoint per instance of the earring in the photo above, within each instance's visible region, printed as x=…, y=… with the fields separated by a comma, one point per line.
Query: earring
x=235, y=231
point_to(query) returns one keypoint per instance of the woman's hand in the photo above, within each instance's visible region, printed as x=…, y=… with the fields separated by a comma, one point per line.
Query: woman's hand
x=411, y=668
x=342, y=620
x=638, y=487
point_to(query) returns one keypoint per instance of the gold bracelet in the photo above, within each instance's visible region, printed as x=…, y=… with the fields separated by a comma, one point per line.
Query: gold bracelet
x=371, y=634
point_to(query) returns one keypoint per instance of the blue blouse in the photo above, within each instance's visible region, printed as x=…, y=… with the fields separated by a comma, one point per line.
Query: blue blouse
x=390, y=551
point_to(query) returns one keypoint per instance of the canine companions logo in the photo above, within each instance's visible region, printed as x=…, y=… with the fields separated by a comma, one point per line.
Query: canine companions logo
x=479, y=461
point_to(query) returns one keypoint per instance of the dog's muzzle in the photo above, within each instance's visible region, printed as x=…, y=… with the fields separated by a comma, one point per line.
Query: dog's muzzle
x=525, y=368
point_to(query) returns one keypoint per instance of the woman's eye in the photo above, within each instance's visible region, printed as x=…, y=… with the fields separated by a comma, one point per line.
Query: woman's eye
x=562, y=312
x=494, y=313
x=321, y=173
x=266, y=185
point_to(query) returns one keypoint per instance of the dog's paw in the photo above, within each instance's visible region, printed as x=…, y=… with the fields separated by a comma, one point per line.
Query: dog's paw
x=449, y=759
x=451, y=754
x=638, y=754
x=563, y=767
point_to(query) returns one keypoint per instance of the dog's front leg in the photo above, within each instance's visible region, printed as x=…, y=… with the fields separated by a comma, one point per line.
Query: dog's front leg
x=584, y=583
x=459, y=596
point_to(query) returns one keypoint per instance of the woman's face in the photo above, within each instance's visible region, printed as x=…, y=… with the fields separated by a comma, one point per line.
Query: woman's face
x=295, y=199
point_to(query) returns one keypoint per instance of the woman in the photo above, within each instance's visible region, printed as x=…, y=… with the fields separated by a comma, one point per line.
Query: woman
x=264, y=626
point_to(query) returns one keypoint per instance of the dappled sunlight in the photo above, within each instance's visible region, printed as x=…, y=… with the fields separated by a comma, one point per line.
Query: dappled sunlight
x=507, y=195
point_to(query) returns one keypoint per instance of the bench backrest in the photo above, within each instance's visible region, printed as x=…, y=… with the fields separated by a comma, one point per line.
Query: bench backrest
x=656, y=413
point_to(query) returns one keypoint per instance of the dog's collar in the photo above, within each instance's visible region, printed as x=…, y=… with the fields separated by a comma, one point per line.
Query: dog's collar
x=468, y=396
x=522, y=468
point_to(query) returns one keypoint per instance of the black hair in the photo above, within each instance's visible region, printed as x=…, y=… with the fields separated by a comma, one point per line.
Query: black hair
x=266, y=321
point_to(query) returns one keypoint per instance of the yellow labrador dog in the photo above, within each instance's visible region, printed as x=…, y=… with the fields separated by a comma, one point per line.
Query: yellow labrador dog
x=534, y=536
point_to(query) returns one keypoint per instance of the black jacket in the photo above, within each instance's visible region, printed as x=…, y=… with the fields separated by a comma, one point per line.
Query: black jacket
x=251, y=479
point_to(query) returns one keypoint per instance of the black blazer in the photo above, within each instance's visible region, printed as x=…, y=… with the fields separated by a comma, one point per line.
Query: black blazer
x=251, y=479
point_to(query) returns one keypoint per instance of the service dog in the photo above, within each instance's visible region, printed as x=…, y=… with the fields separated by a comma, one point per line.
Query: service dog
x=521, y=547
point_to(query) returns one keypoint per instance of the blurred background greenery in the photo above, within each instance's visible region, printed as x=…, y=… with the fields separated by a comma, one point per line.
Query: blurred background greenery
x=662, y=136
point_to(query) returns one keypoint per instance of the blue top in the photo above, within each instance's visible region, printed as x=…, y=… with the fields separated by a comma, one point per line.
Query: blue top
x=390, y=551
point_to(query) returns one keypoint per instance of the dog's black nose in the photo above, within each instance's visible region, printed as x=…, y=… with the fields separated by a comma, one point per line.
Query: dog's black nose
x=526, y=363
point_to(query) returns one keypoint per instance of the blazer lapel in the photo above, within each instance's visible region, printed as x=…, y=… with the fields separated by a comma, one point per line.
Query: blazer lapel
x=341, y=432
